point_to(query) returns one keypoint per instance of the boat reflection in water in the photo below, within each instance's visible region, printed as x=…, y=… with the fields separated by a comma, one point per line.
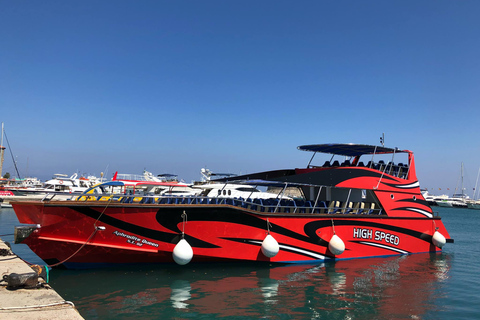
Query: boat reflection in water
x=394, y=287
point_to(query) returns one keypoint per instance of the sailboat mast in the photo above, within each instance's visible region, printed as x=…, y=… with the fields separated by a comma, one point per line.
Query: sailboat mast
x=476, y=184
x=2, y=150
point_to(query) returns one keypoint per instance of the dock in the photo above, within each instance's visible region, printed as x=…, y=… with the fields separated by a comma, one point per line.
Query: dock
x=38, y=302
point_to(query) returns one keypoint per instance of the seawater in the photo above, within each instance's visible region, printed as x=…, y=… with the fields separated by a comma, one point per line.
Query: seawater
x=419, y=286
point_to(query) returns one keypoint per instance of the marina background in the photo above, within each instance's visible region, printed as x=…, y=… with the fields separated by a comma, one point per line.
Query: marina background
x=105, y=86
x=419, y=286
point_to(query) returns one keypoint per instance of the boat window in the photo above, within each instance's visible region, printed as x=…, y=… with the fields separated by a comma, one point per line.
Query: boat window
x=245, y=189
x=61, y=188
x=158, y=190
x=175, y=192
x=205, y=192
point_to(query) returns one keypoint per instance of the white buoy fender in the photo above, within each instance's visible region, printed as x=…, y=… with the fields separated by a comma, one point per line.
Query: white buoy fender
x=336, y=245
x=182, y=253
x=270, y=246
x=438, y=239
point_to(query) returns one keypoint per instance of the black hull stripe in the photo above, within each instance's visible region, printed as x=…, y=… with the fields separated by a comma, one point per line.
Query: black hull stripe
x=416, y=210
x=383, y=246
x=412, y=185
x=284, y=247
x=236, y=217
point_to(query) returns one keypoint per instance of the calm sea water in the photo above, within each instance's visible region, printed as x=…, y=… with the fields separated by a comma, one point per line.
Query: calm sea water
x=420, y=286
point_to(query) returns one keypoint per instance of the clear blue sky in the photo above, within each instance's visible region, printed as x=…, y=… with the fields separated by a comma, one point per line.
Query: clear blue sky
x=173, y=86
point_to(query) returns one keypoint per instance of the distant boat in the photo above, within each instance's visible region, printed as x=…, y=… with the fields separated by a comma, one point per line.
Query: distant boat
x=475, y=202
x=458, y=200
x=212, y=188
x=164, y=184
x=60, y=187
x=433, y=199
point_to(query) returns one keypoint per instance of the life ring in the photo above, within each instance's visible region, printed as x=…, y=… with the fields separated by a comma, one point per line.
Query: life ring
x=61, y=182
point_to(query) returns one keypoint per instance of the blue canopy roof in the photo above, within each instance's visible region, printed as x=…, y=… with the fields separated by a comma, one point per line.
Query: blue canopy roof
x=347, y=149
x=109, y=183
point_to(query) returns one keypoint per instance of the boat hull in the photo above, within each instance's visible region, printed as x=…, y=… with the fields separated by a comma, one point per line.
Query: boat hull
x=84, y=235
x=474, y=205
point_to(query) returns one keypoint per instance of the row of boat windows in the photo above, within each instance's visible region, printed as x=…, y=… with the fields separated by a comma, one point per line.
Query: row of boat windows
x=225, y=192
x=65, y=187
x=399, y=170
x=58, y=187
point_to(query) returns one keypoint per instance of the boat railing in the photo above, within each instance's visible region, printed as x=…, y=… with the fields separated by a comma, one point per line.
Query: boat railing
x=271, y=205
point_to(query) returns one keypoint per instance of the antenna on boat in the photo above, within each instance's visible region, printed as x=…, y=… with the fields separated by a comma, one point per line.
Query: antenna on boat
x=382, y=139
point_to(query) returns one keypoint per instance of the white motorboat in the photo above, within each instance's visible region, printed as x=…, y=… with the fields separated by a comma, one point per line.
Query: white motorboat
x=457, y=200
x=473, y=204
x=212, y=189
x=232, y=190
x=158, y=186
x=433, y=199
x=61, y=187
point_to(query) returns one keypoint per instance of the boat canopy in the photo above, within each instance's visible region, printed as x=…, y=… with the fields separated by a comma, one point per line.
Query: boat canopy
x=104, y=184
x=348, y=149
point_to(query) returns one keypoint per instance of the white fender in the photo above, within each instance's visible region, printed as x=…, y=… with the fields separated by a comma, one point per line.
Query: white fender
x=270, y=246
x=336, y=245
x=182, y=253
x=438, y=239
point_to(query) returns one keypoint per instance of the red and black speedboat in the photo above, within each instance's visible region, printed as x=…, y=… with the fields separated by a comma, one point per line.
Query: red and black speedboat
x=362, y=202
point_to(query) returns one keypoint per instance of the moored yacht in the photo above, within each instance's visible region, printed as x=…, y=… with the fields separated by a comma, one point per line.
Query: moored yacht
x=433, y=199
x=60, y=187
x=160, y=185
x=457, y=200
x=361, y=202
x=211, y=188
x=473, y=204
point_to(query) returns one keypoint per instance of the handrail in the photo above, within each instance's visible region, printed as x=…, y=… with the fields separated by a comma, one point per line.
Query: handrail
x=384, y=169
x=271, y=205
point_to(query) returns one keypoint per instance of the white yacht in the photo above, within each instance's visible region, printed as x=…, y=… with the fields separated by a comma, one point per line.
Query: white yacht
x=60, y=187
x=457, y=200
x=231, y=190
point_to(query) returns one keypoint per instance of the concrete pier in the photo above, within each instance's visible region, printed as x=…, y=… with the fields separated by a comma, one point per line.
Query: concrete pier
x=36, y=303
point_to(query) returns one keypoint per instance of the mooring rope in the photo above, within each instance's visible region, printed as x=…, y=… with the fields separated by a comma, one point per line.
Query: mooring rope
x=269, y=225
x=184, y=217
x=96, y=228
x=38, y=306
x=333, y=227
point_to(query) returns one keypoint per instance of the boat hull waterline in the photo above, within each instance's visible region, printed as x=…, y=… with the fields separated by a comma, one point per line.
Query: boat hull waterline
x=148, y=234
